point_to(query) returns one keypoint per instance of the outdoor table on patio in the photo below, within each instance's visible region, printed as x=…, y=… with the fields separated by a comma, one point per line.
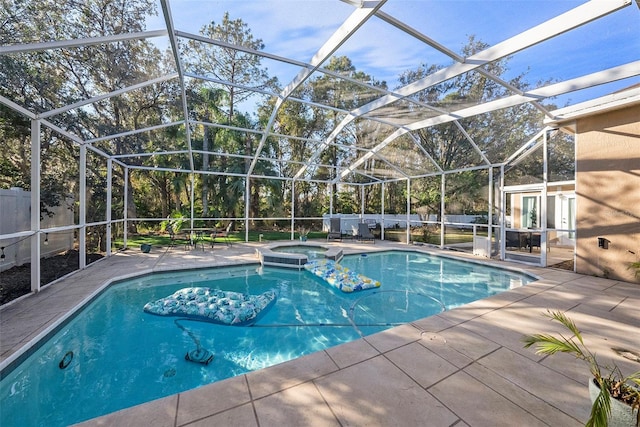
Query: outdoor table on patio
x=196, y=236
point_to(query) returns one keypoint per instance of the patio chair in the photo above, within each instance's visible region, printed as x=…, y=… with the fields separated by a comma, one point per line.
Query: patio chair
x=534, y=241
x=173, y=237
x=224, y=234
x=334, y=231
x=364, y=234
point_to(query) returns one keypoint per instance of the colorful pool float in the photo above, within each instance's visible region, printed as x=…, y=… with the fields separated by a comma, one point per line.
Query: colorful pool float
x=340, y=277
x=213, y=305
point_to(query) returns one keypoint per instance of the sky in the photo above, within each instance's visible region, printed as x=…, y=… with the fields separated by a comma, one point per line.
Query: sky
x=297, y=28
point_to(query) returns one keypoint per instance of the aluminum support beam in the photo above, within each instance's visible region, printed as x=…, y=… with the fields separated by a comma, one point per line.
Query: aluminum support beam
x=109, y=200
x=82, y=231
x=382, y=209
x=490, y=214
x=293, y=208
x=126, y=206
x=166, y=11
x=503, y=204
x=543, y=201
x=98, y=98
x=192, y=179
x=442, y=207
x=63, y=44
x=408, y=211
x=35, y=205
x=247, y=200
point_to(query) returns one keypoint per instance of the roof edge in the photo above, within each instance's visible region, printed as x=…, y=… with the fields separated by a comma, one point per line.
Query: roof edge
x=614, y=101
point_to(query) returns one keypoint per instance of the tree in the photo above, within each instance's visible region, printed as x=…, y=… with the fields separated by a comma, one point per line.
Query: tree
x=44, y=80
x=345, y=95
x=241, y=70
x=227, y=64
x=207, y=104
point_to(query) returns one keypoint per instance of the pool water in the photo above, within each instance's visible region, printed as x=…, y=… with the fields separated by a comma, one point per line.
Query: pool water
x=118, y=356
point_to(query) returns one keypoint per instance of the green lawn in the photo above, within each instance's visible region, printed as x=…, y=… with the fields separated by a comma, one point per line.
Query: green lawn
x=451, y=237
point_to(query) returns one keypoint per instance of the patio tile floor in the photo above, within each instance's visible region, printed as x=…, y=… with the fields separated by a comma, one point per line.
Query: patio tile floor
x=463, y=367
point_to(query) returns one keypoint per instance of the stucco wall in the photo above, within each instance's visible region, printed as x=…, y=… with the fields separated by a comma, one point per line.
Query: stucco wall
x=608, y=193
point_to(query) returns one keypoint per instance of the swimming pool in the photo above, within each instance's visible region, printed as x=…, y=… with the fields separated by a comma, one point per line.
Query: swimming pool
x=122, y=356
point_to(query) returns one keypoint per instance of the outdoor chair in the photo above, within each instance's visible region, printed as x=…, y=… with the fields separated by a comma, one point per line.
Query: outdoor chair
x=224, y=234
x=512, y=239
x=175, y=239
x=335, y=231
x=534, y=241
x=172, y=235
x=364, y=234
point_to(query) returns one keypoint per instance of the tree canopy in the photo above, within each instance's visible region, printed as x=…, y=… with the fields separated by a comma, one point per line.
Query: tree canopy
x=225, y=136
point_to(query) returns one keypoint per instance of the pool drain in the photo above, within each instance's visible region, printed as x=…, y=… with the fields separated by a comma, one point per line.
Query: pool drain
x=66, y=360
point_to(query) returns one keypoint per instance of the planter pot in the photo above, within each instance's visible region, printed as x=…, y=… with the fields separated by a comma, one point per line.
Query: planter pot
x=303, y=238
x=621, y=413
x=145, y=248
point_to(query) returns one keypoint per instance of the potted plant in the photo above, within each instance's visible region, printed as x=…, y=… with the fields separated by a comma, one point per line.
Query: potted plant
x=635, y=266
x=615, y=398
x=304, y=233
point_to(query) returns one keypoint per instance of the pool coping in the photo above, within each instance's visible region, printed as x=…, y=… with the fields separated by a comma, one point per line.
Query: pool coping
x=269, y=257
x=312, y=370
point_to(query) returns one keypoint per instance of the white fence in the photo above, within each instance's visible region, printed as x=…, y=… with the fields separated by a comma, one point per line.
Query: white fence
x=15, y=216
x=349, y=222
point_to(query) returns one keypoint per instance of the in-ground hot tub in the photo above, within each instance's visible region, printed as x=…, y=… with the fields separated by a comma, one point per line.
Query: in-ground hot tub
x=296, y=255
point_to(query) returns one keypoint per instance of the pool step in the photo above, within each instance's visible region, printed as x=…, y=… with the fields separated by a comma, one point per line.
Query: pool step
x=293, y=260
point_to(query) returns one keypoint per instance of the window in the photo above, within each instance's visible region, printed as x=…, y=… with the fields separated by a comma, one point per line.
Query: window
x=530, y=212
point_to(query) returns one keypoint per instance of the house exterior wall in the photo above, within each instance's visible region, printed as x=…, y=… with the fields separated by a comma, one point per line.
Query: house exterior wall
x=608, y=193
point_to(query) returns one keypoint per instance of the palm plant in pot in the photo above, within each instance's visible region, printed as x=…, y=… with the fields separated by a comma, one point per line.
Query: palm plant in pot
x=303, y=233
x=615, y=398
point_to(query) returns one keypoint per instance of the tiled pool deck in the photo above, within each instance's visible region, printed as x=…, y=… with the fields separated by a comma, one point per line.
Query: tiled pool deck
x=464, y=367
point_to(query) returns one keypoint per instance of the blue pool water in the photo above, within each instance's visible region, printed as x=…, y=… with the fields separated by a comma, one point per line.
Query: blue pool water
x=118, y=356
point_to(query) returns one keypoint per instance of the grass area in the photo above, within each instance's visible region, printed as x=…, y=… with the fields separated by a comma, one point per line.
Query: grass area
x=398, y=235
x=134, y=241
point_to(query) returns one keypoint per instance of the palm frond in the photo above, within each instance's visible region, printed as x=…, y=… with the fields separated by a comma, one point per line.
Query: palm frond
x=612, y=386
x=566, y=322
x=600, y=410
x=548, y=344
